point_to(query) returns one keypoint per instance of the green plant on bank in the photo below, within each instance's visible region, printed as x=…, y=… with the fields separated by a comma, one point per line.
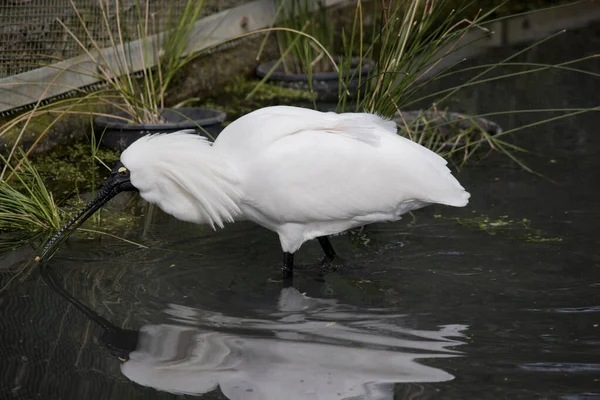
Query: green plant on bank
x=411, y=42
x=407, y=43
x=301, y=54
x=28, y=204
x=25, y=202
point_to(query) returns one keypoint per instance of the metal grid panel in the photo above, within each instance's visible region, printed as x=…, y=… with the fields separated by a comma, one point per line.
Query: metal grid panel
x=28, y=29
x=32, y=37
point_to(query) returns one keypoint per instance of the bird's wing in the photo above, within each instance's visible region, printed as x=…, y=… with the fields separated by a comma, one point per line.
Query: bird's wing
x=344, y=166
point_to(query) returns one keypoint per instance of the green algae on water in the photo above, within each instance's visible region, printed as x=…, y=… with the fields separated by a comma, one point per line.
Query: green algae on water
x=504, y=225
x=69, y=169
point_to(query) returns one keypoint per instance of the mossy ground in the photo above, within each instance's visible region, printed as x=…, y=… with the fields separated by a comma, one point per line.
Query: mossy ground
x=73, y=169
x=235, y=102
x=70, y=171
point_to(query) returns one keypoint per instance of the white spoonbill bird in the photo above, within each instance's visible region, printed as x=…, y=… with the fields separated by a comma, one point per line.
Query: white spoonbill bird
x=301, y=173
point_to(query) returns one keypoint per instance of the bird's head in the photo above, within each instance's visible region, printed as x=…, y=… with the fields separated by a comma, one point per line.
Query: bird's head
x=139, y=161
x=176, y=171
x=118, y=181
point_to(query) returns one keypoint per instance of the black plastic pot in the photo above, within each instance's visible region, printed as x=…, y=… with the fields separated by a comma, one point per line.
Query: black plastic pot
x=118, y=134
x=325, y=84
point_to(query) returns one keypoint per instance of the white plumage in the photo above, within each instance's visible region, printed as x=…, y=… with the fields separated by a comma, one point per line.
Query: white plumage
x=298, y=172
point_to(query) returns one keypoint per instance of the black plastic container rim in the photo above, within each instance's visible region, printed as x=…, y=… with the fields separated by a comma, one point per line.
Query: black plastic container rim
x=278, y=75
x=207, y=117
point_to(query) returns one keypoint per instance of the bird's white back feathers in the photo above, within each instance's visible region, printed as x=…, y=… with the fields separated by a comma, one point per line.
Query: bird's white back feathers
x=256, y=130
x=255, y=133
x=180, y=173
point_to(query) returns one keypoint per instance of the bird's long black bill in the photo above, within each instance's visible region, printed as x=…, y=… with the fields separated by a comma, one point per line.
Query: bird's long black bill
x=108, y=192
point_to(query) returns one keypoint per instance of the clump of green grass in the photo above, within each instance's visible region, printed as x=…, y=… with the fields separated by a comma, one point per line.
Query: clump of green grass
x=411, y=43
x=408, y=40
x=26, y=204
x=27, y=193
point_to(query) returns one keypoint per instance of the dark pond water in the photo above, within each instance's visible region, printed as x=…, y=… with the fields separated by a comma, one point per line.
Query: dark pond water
x=497, y=300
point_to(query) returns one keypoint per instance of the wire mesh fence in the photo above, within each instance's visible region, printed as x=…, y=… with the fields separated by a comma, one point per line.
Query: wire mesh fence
x=31, y=35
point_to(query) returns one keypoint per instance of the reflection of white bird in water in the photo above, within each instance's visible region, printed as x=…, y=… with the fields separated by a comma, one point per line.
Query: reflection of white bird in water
x=301, y=173
x=312, y=349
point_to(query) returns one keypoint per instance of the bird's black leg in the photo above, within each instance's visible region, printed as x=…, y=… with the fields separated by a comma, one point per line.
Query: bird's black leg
x=288, y=269
x=327, y=248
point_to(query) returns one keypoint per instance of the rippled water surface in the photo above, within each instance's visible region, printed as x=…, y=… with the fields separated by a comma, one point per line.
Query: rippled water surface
x=497, y=300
